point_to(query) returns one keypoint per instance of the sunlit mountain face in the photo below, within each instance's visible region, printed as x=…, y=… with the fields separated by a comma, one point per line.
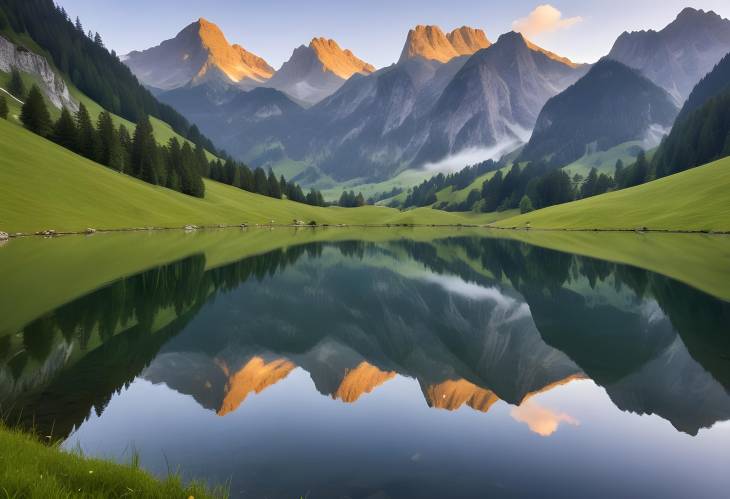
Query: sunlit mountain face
x=398, y=369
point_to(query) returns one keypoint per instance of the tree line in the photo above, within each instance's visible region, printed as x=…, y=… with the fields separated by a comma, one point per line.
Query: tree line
x=177, y=166
x=94, y=70
x=425, y=193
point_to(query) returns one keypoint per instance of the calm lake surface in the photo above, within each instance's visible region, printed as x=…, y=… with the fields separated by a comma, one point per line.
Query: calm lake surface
x=461, y=366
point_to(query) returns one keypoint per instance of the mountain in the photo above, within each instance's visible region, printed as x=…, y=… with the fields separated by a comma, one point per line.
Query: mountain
x=611, y=105
x=701, y=134
x=421, y=110
x=680, y=54
x=430, y=43
x=496, y=96
x=199, y=53
x=317, y=71
x=714, y=83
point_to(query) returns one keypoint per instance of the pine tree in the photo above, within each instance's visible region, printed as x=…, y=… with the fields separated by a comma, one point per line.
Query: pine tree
x=125, y=141
x=3, y=108
x=98, y=41
x=144, y=156
x=202, y=161
x=64, y=131
x=282, y=185
x=359, y=200
x=190, y=180
x=34, y=114
x=526, y=204
x=274, y=187
x=107, y=135
x=589, y=186
x=78, y=25
x=261, y=183
x=87, y=140
x=16, y=87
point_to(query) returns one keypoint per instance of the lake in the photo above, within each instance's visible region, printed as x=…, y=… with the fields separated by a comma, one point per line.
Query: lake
x=378, y=363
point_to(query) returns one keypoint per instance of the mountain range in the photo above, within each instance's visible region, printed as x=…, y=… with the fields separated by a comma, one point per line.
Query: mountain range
x=338, y=118
x=676, y=57
x=611, y=105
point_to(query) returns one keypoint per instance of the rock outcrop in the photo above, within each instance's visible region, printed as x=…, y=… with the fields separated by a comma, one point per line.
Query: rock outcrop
x=52, y=85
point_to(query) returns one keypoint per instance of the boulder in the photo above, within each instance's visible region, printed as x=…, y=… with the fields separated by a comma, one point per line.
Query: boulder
x=4, y=236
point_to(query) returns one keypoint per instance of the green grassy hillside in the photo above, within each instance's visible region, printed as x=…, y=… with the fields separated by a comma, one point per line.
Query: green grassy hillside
x=29, y=468
x=694, y=200
x=163, y=131
x=43, y=186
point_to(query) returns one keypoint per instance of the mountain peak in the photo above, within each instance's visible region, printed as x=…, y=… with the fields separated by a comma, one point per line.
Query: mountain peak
x=341, y=62
x=428, y=42
x=515, y=39
x=431, y=43
x=467, y=40
x=199, y=52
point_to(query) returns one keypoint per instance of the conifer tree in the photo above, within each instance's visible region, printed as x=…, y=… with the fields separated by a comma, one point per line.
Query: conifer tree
x=261, y=183
x=87, y=139
x=34, y=114
x=144, y=155
x=3, y=108
x=16, y=87
x=274, y=187
x=125, y=141
x=526, y=204
x=64, y=131
x=107, y=136
x=202, y=161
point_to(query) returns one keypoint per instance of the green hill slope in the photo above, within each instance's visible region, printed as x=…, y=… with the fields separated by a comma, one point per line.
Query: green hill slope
x=43, y=186
x=694, y=200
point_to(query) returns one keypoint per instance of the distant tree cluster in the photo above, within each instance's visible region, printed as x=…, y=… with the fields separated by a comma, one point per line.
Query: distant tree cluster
x=90, y=66
x=258, y=181
x=395, y=191
x=425, y=193
x=177, y=166
x=351, y=200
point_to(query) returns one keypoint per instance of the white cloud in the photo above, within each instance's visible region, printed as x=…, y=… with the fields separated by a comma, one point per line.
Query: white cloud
x=544, y=19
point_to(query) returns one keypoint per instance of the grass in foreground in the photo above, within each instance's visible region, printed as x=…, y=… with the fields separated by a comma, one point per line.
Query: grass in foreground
x=29, y=468
x=694, y=200
x=43, y=186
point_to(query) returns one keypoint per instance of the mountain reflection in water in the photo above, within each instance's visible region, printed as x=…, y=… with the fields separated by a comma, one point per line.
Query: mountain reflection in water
x=476, y=323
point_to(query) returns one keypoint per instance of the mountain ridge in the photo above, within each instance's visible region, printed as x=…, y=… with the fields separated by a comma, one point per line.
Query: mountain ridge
x=198, y=53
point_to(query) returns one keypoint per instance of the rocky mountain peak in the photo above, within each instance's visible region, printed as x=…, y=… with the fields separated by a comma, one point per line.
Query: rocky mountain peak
x=467, y=40
x=341, y=62
x=197, y=53
x=428, y=42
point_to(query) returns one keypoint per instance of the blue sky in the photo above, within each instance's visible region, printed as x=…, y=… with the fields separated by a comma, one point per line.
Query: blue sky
x=375, y=29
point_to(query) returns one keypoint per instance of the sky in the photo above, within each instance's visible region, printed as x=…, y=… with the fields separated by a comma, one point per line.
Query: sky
x=375, y=30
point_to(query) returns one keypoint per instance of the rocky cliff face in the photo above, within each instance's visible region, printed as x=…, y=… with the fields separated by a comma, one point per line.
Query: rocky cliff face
x=52, y=85
x=496, y=97
x=679, y=55
x=317, y=71
x=199, y=53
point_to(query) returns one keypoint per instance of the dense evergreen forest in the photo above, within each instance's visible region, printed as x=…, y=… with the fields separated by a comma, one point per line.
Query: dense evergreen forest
x=89, y=65
x=177, y=166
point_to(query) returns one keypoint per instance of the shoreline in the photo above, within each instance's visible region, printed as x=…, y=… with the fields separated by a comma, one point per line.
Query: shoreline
x=194, y=228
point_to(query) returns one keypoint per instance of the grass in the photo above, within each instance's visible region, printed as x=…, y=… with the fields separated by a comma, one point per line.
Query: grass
x=163, y=132
x=29, y=468
x=605, y=161
x=43, y=186
x=694, y=200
